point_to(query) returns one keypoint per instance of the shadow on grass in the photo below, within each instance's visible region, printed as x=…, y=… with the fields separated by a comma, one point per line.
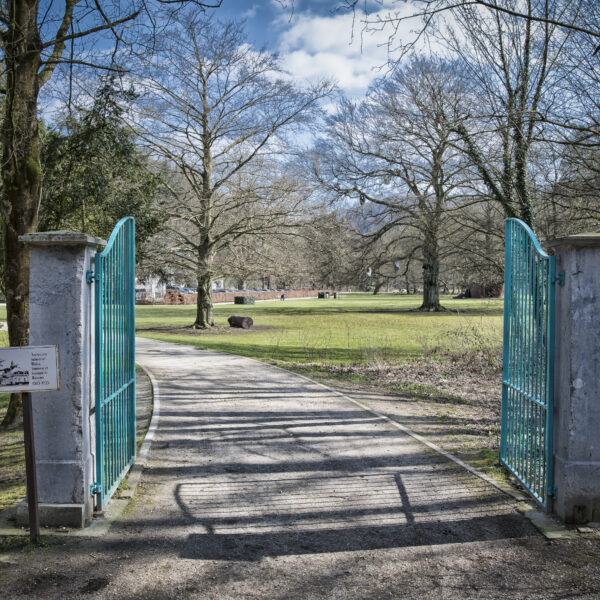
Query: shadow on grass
x=216, y=330
x=278, y=353
x=328, y=308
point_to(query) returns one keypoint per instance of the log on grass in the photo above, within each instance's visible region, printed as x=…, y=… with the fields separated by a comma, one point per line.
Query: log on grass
x=239, y=321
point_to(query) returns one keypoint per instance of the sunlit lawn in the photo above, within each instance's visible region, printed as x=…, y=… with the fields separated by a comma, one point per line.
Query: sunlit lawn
x=357, y=329
x=12, y=453
x=12, y=462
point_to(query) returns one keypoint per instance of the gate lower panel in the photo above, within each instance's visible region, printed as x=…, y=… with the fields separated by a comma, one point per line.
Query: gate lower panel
x=528, y=361
x=115, y=360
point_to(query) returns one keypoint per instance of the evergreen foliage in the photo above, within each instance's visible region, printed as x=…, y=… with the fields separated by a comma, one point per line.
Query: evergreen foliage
x=94, y=173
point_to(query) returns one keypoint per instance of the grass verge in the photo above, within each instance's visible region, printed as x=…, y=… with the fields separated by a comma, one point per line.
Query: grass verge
x=12, y=461
x=357, y=329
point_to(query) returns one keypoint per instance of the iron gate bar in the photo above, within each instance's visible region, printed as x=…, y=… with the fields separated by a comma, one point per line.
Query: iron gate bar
x=528, y=361
x=115, y=360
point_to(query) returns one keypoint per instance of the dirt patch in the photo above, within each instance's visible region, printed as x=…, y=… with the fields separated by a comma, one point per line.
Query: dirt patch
x=94, y=585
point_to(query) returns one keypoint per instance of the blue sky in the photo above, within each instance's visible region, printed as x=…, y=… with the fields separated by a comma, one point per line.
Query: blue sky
x=268, y=19
x=316, y=41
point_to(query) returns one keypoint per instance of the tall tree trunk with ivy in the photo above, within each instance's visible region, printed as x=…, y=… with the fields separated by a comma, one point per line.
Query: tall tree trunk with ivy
x=21, y=171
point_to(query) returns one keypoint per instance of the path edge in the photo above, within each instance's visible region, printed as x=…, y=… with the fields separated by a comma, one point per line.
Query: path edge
x=135, y=473
x=515, y=494
x=544, y=523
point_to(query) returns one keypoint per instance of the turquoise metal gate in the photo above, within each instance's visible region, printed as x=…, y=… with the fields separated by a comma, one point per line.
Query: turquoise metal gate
x=115, y=359
x=528, y=361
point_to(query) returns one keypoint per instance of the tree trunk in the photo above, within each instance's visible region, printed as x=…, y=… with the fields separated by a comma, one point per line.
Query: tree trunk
x=378, y=287
x=204, y=306
x=431, y=269
x=21, y=172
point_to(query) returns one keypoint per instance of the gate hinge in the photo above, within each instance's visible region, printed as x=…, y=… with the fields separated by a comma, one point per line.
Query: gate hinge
x=95, y=488
x=90, y=276
x=551, y=491
x=560, y=278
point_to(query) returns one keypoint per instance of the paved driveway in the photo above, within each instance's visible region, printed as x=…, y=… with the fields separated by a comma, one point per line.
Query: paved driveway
x=261, y=484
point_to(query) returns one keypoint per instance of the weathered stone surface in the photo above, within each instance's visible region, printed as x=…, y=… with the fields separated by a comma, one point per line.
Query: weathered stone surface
x=61, y=313
x=62, y=238
x=55, y=515
x=577, y=386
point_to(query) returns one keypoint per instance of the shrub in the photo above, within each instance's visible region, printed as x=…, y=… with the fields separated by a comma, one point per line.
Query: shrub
x=244, y=299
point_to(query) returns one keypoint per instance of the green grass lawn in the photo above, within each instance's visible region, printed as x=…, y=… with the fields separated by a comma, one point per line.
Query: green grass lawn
x=357, y=329
x=12, y=461
x=364, y=344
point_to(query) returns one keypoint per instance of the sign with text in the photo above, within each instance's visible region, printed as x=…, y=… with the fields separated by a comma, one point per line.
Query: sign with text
x=29, y=369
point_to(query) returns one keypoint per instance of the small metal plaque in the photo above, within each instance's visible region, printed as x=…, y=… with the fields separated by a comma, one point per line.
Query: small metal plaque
x=29, y=369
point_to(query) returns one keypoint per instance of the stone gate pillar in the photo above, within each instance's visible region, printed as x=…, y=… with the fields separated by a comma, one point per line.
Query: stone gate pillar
x=62, y=313
x=577, y=379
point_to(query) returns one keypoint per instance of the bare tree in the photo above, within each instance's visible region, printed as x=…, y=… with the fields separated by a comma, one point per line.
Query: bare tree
x=220, y=111
x=576, y=16
x=513, y=52
x=33, y=40
x=394, y=153
x=512, y=65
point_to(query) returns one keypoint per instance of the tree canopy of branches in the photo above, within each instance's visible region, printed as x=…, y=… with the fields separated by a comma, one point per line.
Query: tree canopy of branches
x=33, y=39
x=514, y=54
x=578, y=16
x=394, y=154
x=220, y=112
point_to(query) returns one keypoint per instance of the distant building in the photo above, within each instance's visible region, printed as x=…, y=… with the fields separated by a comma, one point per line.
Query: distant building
x=151, y=288
x=13, y=375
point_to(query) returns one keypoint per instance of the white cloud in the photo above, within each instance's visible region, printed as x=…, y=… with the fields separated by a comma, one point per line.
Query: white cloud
x=336, y=47
x=251, y=12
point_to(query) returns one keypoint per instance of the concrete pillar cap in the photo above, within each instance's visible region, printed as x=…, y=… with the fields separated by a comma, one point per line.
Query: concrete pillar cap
x=61, y=238
x=581, y=240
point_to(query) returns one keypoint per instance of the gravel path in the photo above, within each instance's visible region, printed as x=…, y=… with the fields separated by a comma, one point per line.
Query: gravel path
x=261, y=484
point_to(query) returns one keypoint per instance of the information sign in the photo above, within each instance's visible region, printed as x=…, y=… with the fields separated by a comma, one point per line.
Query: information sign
x=29, y=369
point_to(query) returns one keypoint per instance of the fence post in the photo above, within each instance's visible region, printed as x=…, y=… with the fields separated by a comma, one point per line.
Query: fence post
x=61, y=305
x=577, y=378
